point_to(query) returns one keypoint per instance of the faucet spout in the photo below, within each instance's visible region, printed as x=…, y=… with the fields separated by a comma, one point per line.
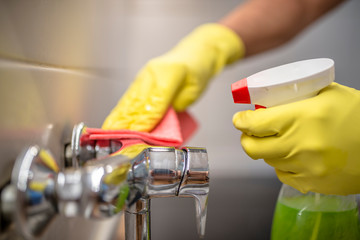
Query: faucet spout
x=195, y=184
x=201, y=212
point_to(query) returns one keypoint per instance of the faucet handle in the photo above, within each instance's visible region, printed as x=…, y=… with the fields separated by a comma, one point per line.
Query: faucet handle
x=34, y=179
x=195, y=184
x=84, y=149
x=170, y=172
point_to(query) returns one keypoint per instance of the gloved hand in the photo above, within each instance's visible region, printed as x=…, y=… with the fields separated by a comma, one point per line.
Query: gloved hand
x=176, y=78
x=313, y=144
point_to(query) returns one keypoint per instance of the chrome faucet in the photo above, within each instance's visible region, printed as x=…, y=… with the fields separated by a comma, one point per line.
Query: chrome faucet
x=98, y=185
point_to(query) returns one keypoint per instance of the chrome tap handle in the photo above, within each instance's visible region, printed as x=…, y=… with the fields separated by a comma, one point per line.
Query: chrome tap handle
x=33, y=177
x=171, y=172
x=195, y=183
x=157, y=172
x=97, y=190
x=84, y=149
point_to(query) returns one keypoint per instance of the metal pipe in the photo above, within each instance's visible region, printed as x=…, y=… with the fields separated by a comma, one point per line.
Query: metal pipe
x=137, y=221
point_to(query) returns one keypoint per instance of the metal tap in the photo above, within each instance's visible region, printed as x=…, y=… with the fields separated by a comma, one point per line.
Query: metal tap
x=98, y=185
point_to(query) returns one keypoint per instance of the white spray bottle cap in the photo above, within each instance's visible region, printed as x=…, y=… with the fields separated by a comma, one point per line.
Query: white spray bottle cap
x=286, y=83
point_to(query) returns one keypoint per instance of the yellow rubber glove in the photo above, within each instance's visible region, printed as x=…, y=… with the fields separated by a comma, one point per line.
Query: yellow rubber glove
x=314, y=144
x=176, y=78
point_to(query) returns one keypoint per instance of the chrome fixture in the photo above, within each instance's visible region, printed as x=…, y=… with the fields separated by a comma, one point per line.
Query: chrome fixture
x=98, y=185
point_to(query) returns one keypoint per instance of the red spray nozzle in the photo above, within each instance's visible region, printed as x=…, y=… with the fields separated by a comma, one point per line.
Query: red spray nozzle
x=240, y=92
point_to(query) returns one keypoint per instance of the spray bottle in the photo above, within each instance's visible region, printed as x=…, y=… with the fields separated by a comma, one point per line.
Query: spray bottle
x=300, y=216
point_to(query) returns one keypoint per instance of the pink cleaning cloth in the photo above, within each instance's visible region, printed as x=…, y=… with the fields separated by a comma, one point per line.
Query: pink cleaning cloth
x=173, y=130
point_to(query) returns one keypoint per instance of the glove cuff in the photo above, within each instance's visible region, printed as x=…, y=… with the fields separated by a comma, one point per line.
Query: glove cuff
x=223, y=38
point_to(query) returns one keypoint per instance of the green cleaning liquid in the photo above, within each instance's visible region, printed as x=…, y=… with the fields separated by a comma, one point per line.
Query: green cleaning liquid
x=311, y=218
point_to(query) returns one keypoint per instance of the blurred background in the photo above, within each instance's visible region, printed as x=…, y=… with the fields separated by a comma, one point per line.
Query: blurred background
x=63, y=62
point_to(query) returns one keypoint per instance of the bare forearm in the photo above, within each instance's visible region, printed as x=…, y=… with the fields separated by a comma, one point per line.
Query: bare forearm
x=265, y=24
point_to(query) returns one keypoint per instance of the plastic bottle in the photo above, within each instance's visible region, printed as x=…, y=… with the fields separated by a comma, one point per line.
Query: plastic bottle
x=312, y=216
